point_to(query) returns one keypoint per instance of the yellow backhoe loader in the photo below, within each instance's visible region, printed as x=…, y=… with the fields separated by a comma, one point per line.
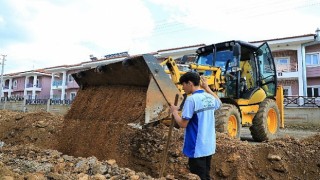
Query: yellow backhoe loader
x=243, y=75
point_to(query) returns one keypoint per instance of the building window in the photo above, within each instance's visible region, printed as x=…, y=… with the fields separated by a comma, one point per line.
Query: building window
x=72, y=95
x=312, y=59
x=14, y=84
x=37, y=85
x=283, y=64
x=287, y=91
x=70, y=78
x=313, y=91
x=283, y=60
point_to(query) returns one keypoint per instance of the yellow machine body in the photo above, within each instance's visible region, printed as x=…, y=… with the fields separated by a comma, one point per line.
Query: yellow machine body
x=259, y=104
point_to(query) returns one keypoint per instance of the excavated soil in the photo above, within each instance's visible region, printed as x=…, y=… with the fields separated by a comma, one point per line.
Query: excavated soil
x=38, y=128
x=97, y=126
x=93, y=141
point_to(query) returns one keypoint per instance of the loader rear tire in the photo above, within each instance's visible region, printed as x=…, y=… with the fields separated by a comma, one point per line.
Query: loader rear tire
x=228, y=120
x=265, y=124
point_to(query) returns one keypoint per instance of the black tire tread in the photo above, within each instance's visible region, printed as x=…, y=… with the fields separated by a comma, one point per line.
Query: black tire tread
x=259, y=129
x=222, y=116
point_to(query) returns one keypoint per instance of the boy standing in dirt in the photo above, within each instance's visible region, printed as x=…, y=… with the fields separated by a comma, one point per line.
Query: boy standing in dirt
x=198, y=119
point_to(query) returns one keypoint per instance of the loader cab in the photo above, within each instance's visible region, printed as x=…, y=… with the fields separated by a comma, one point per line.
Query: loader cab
x=245, y=67
x=208, y=56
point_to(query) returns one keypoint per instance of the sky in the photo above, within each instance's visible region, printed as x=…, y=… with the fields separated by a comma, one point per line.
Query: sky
x=45, y=33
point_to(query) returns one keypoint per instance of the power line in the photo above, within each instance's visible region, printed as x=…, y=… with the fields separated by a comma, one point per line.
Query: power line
x=248, y=9
x=173, y=26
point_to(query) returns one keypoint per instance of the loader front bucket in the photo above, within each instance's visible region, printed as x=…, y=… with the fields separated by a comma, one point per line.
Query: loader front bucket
x=140, y=71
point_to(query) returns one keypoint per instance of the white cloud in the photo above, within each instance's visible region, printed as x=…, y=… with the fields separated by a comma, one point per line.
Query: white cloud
x=246, y=20
x=1, y=20
x=68, y=33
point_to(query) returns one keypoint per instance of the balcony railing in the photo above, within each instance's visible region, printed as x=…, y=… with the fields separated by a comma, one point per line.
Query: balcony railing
x=58, y=83
x=301, y=101
x=30, y=85
x=287, y=67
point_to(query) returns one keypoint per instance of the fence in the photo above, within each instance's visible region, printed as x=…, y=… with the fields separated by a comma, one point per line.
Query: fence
x=50, y=101
x=35, y=105
x=301, y=101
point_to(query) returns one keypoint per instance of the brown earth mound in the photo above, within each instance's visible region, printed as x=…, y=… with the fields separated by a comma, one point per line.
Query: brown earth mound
x=38, y=128
x=97, y=126
x=285, y=158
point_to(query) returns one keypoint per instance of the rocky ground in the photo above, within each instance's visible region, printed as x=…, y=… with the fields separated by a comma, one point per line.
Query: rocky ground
x=95, y=142
x=30, y=140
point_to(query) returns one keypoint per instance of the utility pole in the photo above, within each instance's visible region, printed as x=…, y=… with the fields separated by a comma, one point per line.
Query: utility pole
x=2, y=70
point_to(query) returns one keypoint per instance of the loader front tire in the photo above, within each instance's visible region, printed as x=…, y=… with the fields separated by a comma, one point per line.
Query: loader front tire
x=228, y=120
x=265, y=124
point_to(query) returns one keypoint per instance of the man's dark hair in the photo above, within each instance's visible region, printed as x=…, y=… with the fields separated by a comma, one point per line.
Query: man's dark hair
x=190, y=76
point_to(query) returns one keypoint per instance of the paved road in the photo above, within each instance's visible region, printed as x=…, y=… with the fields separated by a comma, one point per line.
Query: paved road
x=296, y=133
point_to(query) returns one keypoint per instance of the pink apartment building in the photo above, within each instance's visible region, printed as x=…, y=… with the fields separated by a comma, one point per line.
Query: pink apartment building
x=297, y=59
x=63, y=87
x=29, y=84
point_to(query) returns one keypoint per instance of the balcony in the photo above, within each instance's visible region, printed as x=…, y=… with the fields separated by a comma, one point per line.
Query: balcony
x=6, y=87
x=30, y=85
x=287, y=67
x=58, y=84
x=287, y=70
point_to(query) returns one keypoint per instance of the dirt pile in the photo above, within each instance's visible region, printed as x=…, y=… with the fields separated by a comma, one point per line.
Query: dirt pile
x=88, y=143
x=39, y=128
x=30, y=162
x=278, y=159
x=97, y=126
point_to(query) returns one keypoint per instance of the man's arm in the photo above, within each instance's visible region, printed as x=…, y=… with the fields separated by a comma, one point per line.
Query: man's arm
x=180, y=121
x=205, y=86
